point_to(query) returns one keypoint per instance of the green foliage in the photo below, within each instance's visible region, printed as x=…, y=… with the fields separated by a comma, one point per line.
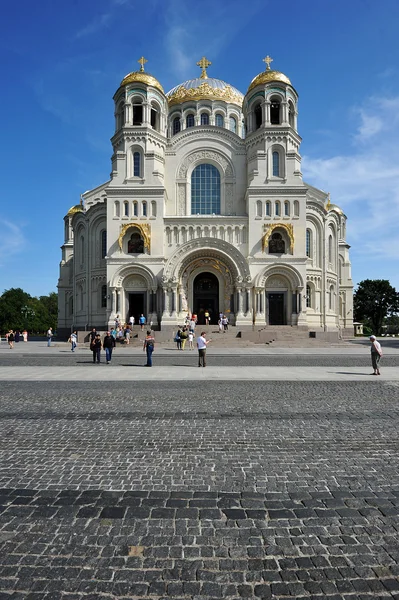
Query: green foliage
x=373, y=301
x=19, y=310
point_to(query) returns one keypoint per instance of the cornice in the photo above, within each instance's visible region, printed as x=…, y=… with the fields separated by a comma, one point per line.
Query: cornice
x=280, y=191
x=138, y=132
x=123, y=260
x=135, y=191
x=206, y=131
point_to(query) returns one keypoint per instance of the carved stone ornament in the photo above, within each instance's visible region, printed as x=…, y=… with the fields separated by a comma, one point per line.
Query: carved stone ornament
x=144, y=229
x=134, y=281
x=205, y=155
x=181, y=209
x=276, y=282
x=287, y=227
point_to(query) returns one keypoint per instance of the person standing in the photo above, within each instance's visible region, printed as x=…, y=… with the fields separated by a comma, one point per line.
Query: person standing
x=148, y=347
x=190, y=340
x=49, y=336
x=131, y=321
x=202, y=343
x=142, y=321
x=96, y=346
x=25, y=335
x=183, y=337
x=376, y=354
x=10, y=339
x=74, y=340
x=178, y=339
x=108, y=345
x=127, y=335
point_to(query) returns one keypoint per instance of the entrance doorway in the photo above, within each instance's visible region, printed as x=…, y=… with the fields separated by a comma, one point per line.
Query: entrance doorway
x=206, y=297
x=276, y=309
x=136, y=306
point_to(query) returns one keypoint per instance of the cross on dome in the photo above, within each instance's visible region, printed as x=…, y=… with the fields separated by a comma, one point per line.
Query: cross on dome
x=204, y=64
x=267, y=60
x=142, y=62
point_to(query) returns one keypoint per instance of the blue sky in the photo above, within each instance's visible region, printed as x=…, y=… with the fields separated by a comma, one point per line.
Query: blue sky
x=61, y=63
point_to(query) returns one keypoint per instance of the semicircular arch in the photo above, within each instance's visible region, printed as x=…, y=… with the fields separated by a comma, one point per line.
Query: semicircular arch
x=293, y=276
x=139, y=270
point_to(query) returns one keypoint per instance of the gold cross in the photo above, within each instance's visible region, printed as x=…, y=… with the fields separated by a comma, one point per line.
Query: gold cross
x=267, y=60
x=204, y=64
x=142, y=61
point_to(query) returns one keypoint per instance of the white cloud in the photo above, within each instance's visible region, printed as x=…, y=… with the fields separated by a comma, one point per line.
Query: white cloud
x=12, y=239
x=97, y=24
x=365, y=180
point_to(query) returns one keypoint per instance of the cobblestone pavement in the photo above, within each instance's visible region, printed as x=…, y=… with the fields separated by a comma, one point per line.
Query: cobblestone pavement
x=189, y=358
x=210, y=490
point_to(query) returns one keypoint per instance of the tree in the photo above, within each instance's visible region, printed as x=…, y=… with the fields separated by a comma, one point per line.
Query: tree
x=19, y=310
x=374, y=300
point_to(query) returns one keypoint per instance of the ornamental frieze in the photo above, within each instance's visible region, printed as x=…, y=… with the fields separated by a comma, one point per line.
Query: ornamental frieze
x=205, y=155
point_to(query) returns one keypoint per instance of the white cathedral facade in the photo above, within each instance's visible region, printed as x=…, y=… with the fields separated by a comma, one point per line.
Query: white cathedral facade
x=206, y=210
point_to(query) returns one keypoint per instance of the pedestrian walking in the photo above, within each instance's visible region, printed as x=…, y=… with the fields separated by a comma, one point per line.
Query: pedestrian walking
x=148, y=347
x=202, y=343
x=25, y=335
x=178, y=339
x=95, y=347
x=376, y=354
x=131, y=321
x=183, y=337
x=142, y=321
x=73, y=339
x=49, y=336
x=108, y=345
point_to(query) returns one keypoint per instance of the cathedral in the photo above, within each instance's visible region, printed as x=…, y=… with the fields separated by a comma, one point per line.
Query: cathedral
x=206, y=211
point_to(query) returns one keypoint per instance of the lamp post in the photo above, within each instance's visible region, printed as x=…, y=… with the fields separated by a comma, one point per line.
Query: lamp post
x=28, y=313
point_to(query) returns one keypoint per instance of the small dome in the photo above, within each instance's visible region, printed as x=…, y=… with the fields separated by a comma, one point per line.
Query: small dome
x=142, y=77
x=266, y=77
x=202, y=88
x=75, y=209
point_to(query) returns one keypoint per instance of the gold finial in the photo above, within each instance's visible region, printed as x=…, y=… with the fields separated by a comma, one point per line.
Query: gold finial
x=142, y=62
x=328, y=205
x=204, y=64
x=267, y=60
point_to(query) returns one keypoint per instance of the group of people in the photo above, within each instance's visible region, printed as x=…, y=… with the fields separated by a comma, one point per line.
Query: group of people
x=16, y=336
x=97, y=344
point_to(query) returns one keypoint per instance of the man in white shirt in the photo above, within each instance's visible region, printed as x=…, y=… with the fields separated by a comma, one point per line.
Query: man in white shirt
x=201, y=345
x=131, y=321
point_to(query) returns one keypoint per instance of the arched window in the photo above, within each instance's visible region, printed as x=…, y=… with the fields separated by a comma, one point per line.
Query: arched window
x=330, y=249
x=82, y=249
x=204, y=118
x=144, y=209
x=277, y=210
x=276, y=244
x=308, y=243
x=268, y=209
x=103, y=243
x=154, y=117
x=103, y=296
x=276, y=164
x=219, y=120
x=233, y=124
x=136, y=164
x=331, y=298
x=176, y=125
x=190, y=121
x=258, y=208
x=135, y=244
x=258, y=116
x=135, y=209
x=291, y=115
x=153, y=208
x=296, y=208
x=275, y=112
x=126, y=208
x=286, y=208
x=120, y=116
x=117, y=209
x=308, y=296
x=205, y=190
x=137, y=113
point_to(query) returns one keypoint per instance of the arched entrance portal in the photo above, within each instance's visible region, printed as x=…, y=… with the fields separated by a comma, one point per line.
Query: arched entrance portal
x=206, y=297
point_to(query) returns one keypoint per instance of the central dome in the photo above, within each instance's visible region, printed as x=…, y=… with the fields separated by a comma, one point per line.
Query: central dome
x=202, y=88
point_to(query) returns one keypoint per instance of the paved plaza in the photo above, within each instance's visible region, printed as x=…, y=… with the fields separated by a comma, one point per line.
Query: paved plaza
x=272, y=473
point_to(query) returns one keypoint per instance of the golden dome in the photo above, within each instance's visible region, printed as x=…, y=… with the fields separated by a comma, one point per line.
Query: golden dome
x=142, y=77
x=75, y=209
x=204, y=89
x=268, y=76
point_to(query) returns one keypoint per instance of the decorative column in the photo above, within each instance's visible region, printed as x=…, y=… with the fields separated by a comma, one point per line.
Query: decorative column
x=174, y=302
x=301, y=317
x=262, y=305
x=267, y=113
x=257, y=304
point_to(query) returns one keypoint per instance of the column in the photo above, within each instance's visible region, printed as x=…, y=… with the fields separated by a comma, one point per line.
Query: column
x=262, y=304
x=174, y=302
x=257, y=304
x=267, y=106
